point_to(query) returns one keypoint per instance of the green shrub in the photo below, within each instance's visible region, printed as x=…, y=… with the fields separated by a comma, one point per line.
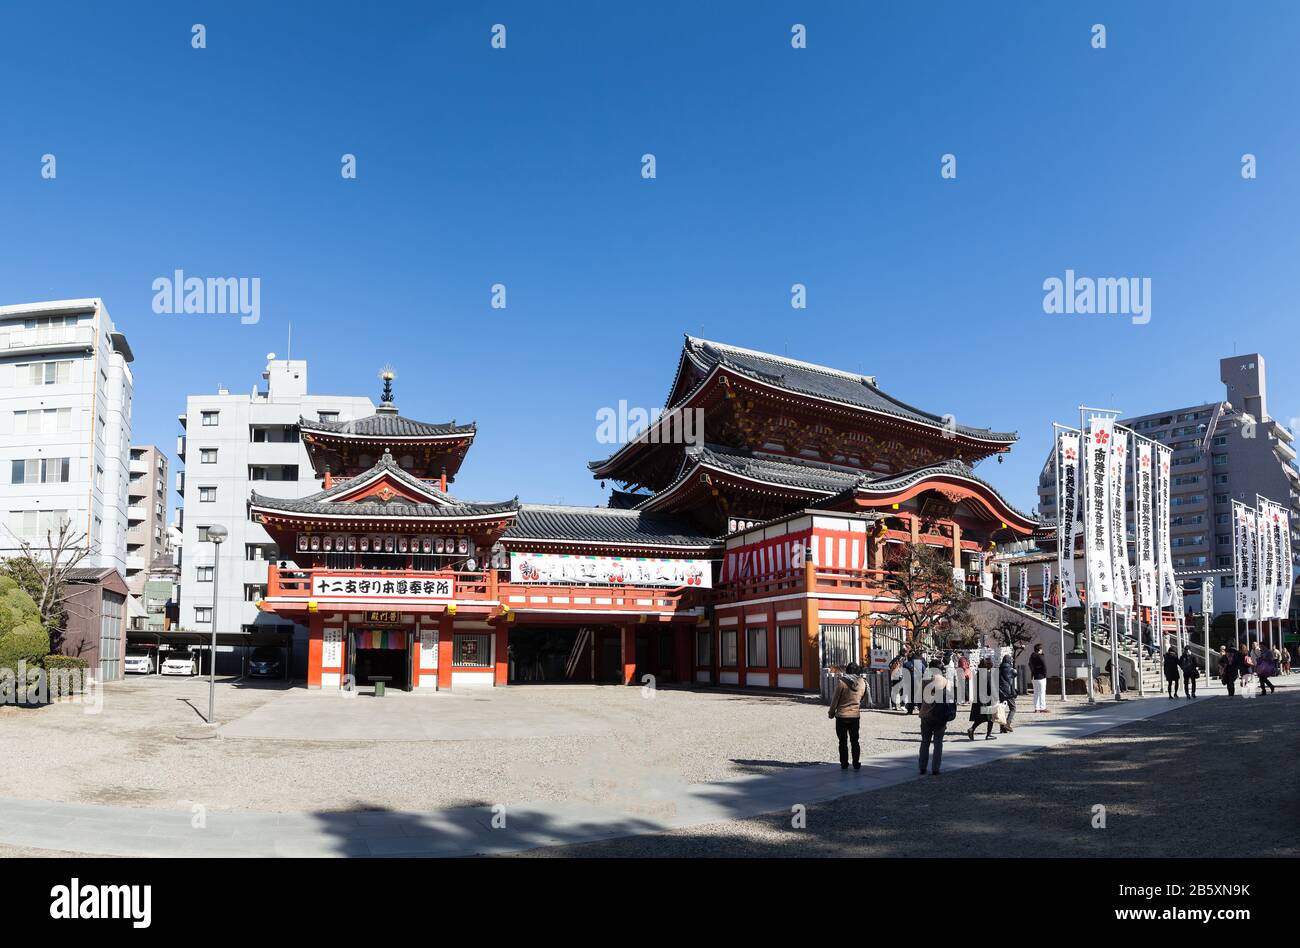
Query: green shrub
x=59, y=662
x=22, y=637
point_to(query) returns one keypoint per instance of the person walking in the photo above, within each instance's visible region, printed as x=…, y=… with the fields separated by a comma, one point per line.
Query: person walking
x=938, y=707
x=1286, y=660
x=913, y=668
x=1173, y=671
x=846, y=709
x=963, y=676
x=1038, y=671
x=982, y=700
x=1229, y=669
x=1266, y=668
x=896, y=682
x=1007, y=690
x=1191, y=672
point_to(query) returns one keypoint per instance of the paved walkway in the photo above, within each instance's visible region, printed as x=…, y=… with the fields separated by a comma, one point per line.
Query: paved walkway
x=108, y=830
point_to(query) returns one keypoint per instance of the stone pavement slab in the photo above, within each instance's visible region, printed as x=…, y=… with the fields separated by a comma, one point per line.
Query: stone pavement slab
x=127, y=831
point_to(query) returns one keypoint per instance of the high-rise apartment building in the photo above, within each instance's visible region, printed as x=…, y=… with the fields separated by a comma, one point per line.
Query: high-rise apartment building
x=232, y=444
x=1223, y=451
x=146, y=514
x=65, y=427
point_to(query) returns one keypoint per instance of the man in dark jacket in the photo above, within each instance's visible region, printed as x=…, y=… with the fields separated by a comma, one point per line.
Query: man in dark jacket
x=1173, y=670
x=1232, y=665
x=1007, y=689
x=1038, y=672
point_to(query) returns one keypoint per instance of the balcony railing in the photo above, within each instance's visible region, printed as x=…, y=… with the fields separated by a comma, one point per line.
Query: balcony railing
x=50, y=338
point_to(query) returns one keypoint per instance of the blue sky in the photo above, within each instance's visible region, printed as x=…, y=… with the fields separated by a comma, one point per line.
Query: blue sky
x=775, y=166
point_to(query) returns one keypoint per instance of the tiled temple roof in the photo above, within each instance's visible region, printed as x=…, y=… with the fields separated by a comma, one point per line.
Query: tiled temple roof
x=604, y=525
x=387, y=424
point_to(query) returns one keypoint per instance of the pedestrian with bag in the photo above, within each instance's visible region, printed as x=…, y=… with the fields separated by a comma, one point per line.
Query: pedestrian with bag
x=1007, y=690
x=982, y=700
x=1038, y=672
x=846, y=709
x=938, y=707
x=1266, y=668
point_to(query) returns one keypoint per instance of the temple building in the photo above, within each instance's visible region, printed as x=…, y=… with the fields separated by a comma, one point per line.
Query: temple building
x=745, y=545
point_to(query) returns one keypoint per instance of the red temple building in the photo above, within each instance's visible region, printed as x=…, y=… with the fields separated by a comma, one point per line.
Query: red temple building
x=746, y=547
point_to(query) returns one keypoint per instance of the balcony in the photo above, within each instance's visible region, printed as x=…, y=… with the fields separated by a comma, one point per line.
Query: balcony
x=180, y=447
x=48, y=339
x=180, y=483
x=136, y=514
x=290, y=589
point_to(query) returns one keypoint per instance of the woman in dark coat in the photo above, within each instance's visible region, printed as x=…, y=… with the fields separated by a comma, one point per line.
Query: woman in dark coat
x=1007, y=690
x=1230, y=670
x=1191, y=672
x=982, y=712
x=1173, y=671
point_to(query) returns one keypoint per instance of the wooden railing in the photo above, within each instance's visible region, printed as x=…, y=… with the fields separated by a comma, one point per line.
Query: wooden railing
x=806, y=578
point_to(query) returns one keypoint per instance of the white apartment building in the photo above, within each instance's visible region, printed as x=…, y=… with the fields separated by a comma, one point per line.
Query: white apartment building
x=65, y=427
x=230, y=444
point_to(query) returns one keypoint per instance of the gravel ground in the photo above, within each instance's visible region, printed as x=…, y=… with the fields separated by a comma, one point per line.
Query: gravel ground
x=130, y=754
x=1164, y=782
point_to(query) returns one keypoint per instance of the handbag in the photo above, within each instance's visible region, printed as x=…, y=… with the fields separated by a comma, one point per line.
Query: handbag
x=1000, y=711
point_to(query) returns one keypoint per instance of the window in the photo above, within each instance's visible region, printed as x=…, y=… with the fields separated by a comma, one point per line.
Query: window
x=727, y=639
x=1221, y=498
x=1220, y=479
x=208, y=456
x=254, y=591
x=1220, y=440
x=203, y=534
x=207, y=495
x=1187, y=479
x=43, y=421
x=209, y=419
x=40, y=471
x=756, y=646
x=789, y=651
x=203, y=614
x=704, y=648
x=839, y=644
x=327, y=415
x=471, y=651
x=1221, y=518
x=1223, y=539
x=203, y=574
x=1223, y=560
x=36, y=523
x=46, y=373
x=1220, y=460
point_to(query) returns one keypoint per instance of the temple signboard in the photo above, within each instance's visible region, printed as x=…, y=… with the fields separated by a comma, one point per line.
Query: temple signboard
x=382, y=586
x=609, y=570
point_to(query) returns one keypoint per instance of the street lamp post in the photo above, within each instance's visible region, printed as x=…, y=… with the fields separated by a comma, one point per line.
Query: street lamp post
x=216, y=534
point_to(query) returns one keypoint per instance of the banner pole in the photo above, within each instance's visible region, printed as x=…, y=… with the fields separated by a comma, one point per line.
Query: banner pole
x=1061, y=531
x=1089, y=605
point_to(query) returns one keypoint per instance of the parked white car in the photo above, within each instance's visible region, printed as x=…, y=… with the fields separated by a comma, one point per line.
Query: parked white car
x=139, y=664
x=179, y=663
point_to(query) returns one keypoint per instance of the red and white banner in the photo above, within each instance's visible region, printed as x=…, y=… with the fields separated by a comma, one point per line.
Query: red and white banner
x=1069, y=516
x=1144, y=525
x=1096, y=510
x=1118, y=525
x=1164, y=548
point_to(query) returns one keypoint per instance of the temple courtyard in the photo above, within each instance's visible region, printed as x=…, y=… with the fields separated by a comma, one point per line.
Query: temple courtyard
x=298, y=772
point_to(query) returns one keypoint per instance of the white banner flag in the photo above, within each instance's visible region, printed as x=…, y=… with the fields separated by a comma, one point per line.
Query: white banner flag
x=1004, y=580
x=1118, y=520
x=1285, y=574
x=1023, y=594
x=1266, y=541
x=1240, y=560
x=1144, y=525
x=1047, y=584
x=1164, y=549
x=1069, y=517
x=1096, y=503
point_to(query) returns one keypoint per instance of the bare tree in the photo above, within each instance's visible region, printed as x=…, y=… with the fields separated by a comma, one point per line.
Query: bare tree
x=44, y=570
x=925, y=597
x=1012, y=634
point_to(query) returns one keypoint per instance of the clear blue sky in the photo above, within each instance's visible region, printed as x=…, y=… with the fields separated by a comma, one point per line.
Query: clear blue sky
x=775, y=166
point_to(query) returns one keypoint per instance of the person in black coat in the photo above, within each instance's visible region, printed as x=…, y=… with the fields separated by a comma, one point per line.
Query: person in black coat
x=981, y=704
x=1007, y=690
x=1173, y=671
x=1191, y=672
x=1231, y=668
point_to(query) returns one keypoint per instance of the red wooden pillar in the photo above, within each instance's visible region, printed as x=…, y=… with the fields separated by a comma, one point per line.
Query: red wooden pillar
x=315, y=648
x=444, y=651
x=502, y=660
x=629, y=654
x=684, y=657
